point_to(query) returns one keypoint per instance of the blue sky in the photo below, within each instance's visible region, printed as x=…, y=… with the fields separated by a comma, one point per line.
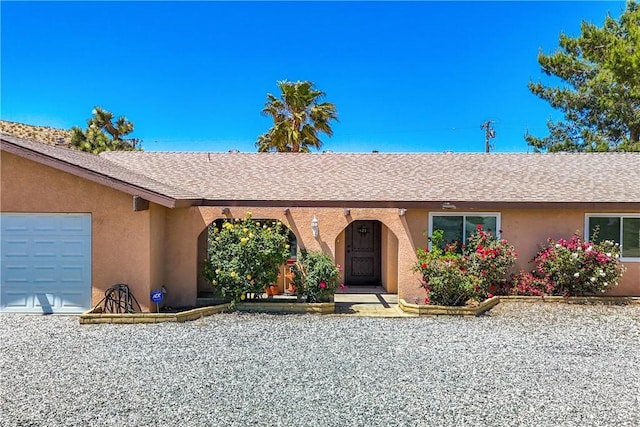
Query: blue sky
x=193, y=76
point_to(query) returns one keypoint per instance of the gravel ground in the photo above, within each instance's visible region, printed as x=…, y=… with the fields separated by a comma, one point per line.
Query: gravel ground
x=520, y=365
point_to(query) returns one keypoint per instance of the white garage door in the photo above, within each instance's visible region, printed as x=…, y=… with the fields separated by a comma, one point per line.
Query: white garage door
x=46, y=263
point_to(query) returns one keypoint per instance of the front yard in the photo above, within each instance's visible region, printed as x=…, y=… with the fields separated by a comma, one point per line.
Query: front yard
x=520, y=364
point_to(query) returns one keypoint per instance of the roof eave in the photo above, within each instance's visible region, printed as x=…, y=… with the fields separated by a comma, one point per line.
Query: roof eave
x=90, y=175
x=459, y=205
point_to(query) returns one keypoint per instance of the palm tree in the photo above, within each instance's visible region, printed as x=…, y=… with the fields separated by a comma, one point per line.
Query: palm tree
x=298, y=116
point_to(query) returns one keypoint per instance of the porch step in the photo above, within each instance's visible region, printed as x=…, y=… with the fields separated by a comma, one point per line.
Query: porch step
x=378, y=304
x=369, y=310
x=208, y=301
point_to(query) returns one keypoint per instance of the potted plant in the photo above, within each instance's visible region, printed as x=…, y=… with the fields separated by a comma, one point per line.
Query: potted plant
x=315, y=276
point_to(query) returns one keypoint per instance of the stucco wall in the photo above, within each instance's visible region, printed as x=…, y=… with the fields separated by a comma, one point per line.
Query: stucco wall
x=184, y=226
x=157, y=222
x=527, y=230
x=401, y=235
x=160, y=246
x=120, y=236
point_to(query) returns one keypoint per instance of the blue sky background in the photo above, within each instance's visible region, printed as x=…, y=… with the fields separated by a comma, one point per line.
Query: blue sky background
x=193, y=76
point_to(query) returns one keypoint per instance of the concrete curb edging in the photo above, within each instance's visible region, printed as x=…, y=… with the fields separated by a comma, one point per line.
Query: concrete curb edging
x=89, y=317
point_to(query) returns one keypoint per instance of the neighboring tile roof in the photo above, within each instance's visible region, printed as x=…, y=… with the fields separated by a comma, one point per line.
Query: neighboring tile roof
x=562, y=177
x=368, y=177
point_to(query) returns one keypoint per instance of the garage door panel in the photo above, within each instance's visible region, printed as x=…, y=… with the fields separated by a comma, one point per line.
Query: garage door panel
x=73, y=275
x=69, y=300
x=15, y=274
x=14, y=248
x=12, y=225
x=15, y=301
x=73, y=248
x=44, y=248
x=42, y=302
x=76, y=226
x=44, y=224
x=46, y=263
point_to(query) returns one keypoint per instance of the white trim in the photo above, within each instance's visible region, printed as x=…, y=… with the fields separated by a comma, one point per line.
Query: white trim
x=465, y=214
x=587, y=232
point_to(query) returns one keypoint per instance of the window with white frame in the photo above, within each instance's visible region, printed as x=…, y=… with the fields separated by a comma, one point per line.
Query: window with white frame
x=623, y=229
x=457, y=227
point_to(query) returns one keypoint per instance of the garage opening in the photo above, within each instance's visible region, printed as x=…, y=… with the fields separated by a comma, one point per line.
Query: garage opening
x=45, y=263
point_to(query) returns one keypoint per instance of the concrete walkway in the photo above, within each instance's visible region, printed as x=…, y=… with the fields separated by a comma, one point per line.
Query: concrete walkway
x=367, y=302
x=358, y=301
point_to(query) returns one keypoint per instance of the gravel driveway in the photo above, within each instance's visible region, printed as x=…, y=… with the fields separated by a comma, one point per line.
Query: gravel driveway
x=522, y=364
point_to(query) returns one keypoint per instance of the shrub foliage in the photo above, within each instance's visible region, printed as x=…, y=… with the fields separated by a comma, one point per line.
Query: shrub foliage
x=576, y=267
x=315, y=276
x=454, y=275
x=245, y=256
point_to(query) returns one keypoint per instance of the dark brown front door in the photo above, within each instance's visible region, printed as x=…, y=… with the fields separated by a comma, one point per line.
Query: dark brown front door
x=363, y=253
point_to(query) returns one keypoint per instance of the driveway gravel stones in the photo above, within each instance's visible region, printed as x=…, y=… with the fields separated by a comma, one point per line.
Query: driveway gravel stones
x=521, y=364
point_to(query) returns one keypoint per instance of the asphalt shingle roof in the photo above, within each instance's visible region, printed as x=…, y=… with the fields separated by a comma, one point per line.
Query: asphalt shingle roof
x=561, y=177
x=99, y=165
x=367, y=177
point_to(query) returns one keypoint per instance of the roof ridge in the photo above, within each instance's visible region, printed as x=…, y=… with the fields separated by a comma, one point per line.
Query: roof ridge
x=348, y=153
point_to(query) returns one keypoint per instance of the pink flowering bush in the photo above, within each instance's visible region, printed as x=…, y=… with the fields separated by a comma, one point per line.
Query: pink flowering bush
x=576, y=267
x=528, y=284
x=489, y=259
x=445, y=275
x=478, y=273
x=316, y=276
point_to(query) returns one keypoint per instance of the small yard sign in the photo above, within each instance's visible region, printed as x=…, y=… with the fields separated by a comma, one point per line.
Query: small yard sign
x=157, y=295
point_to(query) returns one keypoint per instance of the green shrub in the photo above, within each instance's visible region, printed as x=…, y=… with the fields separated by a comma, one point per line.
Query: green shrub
x=489, y=259
x=315, y=276
x=526, y=283
x=576, y=267
x=445, y=276
x=245, y=256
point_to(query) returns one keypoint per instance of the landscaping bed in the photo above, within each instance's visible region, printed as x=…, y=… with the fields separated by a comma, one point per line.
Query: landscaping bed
x=95, y=316
x=488, y=304
x=439, y=310
x=280, y=306
x=183, y=314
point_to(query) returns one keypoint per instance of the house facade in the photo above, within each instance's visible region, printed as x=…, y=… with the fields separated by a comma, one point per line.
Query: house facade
x=74, y=224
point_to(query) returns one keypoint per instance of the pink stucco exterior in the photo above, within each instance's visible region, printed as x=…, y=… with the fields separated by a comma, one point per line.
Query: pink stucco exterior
x=122, y=240
x=163, y=246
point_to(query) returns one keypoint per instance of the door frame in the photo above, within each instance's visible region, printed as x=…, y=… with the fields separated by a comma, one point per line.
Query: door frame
x=376, y=229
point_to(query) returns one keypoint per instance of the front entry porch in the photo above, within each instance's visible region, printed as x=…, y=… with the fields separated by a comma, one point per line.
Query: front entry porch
x=357, y=301
x=367, y=301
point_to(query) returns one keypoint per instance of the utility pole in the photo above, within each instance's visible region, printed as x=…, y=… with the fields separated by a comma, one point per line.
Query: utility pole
x=489, y=133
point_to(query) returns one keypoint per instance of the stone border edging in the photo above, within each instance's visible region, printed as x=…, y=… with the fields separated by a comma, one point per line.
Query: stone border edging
x=573, y=300
x=439, y=310
x=89, y=317
x=288, y=307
